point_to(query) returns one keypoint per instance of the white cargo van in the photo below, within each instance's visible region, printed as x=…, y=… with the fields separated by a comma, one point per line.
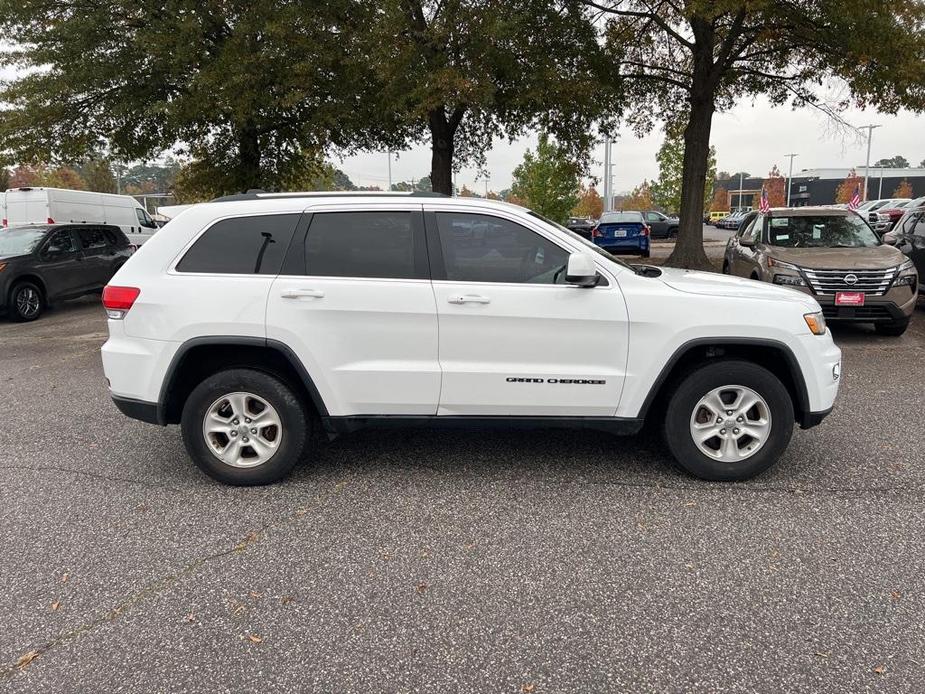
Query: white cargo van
x=60, y=206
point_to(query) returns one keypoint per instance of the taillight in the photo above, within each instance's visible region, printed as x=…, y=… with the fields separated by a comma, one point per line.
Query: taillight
x=596, y=233
x=4, y=221
x=118, y=300
x=645, y=230
x=49, y=221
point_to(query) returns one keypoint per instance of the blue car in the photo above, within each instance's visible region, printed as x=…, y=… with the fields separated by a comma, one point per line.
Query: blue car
x=622, y=232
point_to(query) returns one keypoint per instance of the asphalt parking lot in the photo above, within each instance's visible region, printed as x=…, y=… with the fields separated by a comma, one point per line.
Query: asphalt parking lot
x=422, y=561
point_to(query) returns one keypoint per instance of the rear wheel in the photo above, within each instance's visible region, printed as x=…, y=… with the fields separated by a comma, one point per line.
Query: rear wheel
x=891, y=329
x=245, y=427
x=26, y=301
x=673, y=233
x=728, y=420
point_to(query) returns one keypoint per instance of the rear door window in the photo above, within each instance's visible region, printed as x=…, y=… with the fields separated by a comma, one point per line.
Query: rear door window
x=242, y=246
x=385, y=244
x=91, y=239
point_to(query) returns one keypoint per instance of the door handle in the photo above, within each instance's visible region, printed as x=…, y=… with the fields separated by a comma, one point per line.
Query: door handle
x=299, y=293
x=469, y=299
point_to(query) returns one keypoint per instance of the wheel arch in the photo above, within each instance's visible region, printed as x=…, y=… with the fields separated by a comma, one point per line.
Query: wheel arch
x=775, y=356
x=199, y=358
x=30, y=277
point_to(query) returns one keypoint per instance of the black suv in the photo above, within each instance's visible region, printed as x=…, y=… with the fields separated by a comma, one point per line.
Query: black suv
x=44, y=263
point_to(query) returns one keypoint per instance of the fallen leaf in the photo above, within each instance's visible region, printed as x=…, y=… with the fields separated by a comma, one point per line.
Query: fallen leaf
x=26, y=658
x=896, y=595
x=822, y=655
x=527, y=688
x=190, y=617
x=55, y=605
x=422, y=587
x=691, y=503
x=286, y=599
x=880, y=669
x=254, y=638
x=64, y=578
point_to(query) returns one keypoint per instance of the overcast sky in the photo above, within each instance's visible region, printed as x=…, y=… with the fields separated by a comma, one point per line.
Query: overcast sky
x=751, y=137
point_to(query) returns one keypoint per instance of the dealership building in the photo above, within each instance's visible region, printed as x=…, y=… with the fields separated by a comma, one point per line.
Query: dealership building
x=818, y=186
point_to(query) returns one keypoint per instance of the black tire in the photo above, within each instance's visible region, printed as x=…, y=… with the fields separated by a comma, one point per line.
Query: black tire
x=672, y=233
x=694, y=386
x=295, y=426
x=644, y=254
x=26, y=292
x=725, y=267
x=891, y=329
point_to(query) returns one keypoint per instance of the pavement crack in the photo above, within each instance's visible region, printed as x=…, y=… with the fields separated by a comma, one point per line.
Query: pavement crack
x=154, y=588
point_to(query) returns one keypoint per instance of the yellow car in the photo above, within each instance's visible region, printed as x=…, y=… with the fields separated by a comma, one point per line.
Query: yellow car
x=716, y=216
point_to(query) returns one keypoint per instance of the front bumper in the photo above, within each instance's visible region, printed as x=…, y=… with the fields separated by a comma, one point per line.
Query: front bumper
x=895, y=306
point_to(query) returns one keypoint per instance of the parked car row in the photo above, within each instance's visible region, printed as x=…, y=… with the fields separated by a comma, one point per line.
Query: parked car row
x=731, y=220
x=835, y=256
x=626, y=231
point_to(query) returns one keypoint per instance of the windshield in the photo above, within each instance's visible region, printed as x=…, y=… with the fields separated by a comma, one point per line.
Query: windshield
x=20, y=241
x=618, y=217
x=820, y=231
x=581, y=239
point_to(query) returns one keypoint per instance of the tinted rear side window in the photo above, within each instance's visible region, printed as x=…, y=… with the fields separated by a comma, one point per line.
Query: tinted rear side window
x=363, y=244
x=242, y=246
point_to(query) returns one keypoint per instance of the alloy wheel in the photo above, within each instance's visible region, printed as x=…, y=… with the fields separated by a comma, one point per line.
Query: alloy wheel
x=730, y=423
x=242, y=429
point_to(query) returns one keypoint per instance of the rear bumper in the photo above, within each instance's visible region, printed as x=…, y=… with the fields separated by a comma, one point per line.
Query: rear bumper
x=636, y=245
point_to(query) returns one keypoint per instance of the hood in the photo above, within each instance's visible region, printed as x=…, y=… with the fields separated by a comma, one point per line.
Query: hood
x=15, y=256
x=714, y=284
x=876, y=258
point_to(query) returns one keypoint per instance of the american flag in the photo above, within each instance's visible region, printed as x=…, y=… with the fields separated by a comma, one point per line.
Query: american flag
x=764, y=205
x=855, y=199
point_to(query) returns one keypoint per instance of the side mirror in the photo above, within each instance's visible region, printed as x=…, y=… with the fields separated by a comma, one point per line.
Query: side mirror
x=581, y=271
x=889, y=238
x=747, y=242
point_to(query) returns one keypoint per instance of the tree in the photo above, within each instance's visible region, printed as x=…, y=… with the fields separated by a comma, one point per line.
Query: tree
x=720, y=202
x=639, y=199
x=776, y=187
x=5, y=176
x=245, y=90
x=688, y=59
x=903, y=190
x=589, y=205
x=467, y=192
x=467, y=71
x=98, y=175
x=666, y=192
x=897, y=162
x=547, y=181
x=847, y=188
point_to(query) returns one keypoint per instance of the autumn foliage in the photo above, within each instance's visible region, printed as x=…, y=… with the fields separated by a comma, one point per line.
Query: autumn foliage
x=847, y=187
x=903, y=190
x=776, y=186
x=720, y=202
x=590, y=204
x=640, y=198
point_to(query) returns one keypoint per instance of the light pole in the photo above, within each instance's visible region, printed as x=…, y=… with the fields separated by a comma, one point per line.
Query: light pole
x=790, y=176
x=740, y=190
x=880, y=189
x=870, y=132
x=390, y=170
x=606, y=173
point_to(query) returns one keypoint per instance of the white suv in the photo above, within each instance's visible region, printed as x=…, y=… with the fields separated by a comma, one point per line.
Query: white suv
x=257, y=316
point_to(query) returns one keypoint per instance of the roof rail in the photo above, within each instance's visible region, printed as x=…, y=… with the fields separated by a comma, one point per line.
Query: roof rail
x=257, y=194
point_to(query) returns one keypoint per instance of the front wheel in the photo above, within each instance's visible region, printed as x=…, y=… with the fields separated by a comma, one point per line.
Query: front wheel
x=728, y=420
x=245, y=427
x=26, y=302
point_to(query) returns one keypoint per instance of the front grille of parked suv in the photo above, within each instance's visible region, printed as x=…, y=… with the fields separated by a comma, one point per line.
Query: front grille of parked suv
x=873, y=282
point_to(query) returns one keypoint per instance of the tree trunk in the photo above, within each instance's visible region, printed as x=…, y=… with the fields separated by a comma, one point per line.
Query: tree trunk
x=688, y=251
x=248, y=159
x=441, y=160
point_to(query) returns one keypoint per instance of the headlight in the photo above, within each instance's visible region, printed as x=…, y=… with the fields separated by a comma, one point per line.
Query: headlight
x=906, y=275
x=816, y=322
x=782, y=265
